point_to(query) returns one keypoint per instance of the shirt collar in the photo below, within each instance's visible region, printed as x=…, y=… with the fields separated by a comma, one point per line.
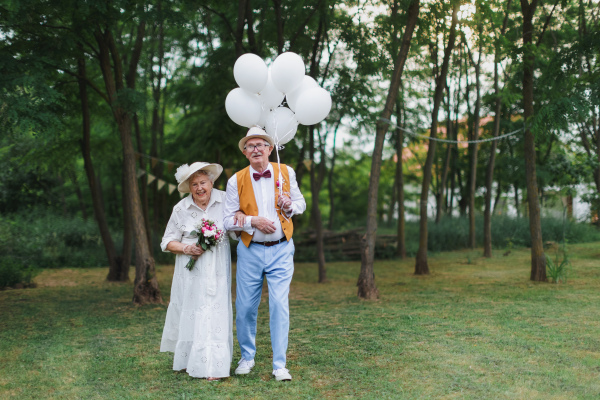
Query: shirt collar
x=269, y=167
x=214, y=197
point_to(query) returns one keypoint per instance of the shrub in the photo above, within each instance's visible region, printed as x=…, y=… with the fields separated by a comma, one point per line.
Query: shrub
x=14, y=272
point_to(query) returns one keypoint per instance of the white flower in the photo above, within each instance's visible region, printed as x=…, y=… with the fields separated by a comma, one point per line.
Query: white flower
x=209, y=233
x=182, y=172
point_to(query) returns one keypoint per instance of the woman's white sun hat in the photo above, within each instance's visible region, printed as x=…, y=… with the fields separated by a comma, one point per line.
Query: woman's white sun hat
x=185, y=171
x=253, y=133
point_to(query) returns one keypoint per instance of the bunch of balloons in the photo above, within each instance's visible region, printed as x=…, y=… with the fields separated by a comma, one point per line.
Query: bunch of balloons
x=258, y=100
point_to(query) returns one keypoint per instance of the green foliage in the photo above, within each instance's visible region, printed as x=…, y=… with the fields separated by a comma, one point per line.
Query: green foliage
x=40, y=240
x=14, y=272
x=559, y=268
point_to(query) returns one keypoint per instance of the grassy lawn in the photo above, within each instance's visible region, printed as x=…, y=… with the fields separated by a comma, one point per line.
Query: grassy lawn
x=473, y=329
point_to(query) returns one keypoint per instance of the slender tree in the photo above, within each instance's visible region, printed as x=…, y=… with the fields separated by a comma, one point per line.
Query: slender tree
x=489, y=174
x=421, y=265
x=366, y=280
x=538, y=258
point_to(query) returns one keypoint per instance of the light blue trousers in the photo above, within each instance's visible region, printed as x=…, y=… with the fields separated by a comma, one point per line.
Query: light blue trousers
x=253, y=264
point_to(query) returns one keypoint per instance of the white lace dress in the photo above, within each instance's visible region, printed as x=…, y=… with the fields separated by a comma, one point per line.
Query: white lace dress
x=199, y=323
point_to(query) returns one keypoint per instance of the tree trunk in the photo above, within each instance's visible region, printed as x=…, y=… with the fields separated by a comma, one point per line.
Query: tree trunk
x=401, y=239
x=330, y=181
x=315, y=211
x=239, y=32
x=421, y=264
x=96, y=193
x=143, y=178
x=538, y=258
x=146, y=288
x=366, y=279
x=446, y=167
x=125, y=259
x=279, y=24
x=157, y=167
x=474, y=146
x=489, y=173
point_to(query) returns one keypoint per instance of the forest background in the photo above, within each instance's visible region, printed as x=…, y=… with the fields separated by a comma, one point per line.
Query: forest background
x=102, y=101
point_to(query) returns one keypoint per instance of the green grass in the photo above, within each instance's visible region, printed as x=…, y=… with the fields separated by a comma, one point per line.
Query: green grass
x=474, y=329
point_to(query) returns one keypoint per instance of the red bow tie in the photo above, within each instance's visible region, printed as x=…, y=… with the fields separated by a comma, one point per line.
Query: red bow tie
x=265, y=174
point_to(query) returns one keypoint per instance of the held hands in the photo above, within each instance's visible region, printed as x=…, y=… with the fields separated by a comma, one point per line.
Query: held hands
x=264, y=225
x=285, y=203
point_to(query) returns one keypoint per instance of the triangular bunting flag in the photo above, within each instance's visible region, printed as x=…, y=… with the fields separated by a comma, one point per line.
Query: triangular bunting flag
x=308, y=164
x=137, y=156
x=181, y=195
x=151, y=178
x=228, y=172
x=154, y=161
x=170, y=166
x=161, y=183
x=171, y=188
x=140, y=172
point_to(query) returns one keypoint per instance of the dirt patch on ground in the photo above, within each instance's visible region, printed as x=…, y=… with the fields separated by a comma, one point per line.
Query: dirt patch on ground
x=69, y=277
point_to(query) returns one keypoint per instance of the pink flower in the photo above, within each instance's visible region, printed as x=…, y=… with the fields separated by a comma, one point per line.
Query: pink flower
x=277, y=183
x=203, y=230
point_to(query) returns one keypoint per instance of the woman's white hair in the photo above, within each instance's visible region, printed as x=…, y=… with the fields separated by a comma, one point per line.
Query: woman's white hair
x=210, y=175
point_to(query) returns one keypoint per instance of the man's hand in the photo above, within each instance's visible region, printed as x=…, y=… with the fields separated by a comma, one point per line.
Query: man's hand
x=264, y=225
x=284, y=202
x=239, y=219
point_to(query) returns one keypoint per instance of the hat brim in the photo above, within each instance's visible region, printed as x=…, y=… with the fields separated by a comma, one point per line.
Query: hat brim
x=215, y=169
x=246, y=138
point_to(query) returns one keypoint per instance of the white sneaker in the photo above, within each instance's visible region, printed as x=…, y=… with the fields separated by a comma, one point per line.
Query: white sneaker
x=282, y=374
x=244, y=367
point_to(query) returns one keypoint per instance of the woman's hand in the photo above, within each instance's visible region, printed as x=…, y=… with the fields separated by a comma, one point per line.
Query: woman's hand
x=239, y=219
x=193, y=250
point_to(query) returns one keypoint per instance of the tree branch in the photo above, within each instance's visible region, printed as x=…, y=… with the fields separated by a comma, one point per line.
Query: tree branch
x=304, y=24
x=69, y=72
x=224, y=18
x=548, y=18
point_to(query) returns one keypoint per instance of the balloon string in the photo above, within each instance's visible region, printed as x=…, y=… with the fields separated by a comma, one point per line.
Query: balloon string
x=280, y=182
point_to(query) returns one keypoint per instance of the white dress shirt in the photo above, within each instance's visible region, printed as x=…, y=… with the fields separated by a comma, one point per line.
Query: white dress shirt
x=264, y=194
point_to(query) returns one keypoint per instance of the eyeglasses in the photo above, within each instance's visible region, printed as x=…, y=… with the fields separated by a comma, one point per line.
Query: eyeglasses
x=258, y=147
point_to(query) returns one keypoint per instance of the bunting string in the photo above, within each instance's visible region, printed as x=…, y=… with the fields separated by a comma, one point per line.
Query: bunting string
x=151, y=178
x=417, y=135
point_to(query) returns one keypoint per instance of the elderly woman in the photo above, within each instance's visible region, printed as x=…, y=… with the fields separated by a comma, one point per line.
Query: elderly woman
x=198, y=326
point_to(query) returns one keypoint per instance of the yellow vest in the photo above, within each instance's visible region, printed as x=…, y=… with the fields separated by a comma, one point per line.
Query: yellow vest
x=248, y=201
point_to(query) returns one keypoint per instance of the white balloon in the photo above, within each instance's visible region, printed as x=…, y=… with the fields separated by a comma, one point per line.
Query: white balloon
x=313, y=106
x=292, y=98
x=262, y=121
x=287, y=72
x=242, y=107
x=281, y=125
x=250, y=73
x=270, y=96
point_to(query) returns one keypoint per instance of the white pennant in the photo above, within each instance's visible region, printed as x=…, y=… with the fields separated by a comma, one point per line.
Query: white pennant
x=140, y=172
x=151, y=178
x=161, y=183
x=171, y=188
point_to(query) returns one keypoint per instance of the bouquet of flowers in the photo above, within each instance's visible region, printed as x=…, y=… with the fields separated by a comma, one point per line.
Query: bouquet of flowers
x=208, y=235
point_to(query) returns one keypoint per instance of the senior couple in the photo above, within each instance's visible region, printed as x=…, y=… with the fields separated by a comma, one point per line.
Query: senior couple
x=257, y=209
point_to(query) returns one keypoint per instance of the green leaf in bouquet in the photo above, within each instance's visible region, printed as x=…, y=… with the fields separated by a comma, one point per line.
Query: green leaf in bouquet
x=194, y=233
x=204, y=246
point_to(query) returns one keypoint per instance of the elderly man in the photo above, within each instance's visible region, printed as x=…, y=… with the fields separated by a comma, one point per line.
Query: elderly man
x=266, y=249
